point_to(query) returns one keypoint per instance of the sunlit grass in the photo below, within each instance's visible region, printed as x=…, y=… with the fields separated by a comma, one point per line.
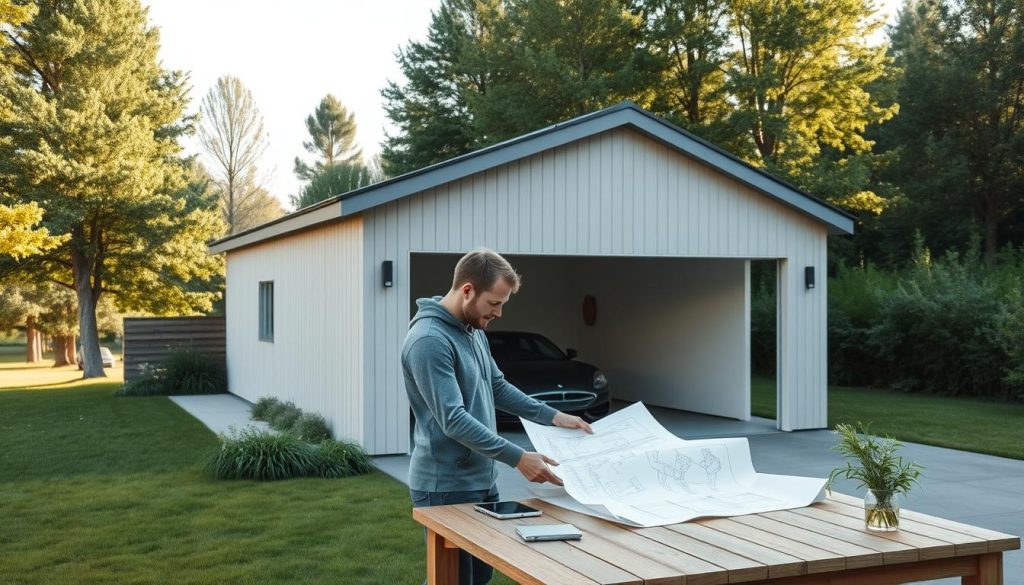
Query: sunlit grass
x=98, y=489
x=981, y=426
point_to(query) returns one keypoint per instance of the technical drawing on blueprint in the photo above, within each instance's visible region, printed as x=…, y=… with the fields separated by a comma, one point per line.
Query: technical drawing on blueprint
x=632, y=470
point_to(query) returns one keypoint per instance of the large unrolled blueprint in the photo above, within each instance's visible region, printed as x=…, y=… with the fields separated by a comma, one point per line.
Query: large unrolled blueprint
x=633, y=471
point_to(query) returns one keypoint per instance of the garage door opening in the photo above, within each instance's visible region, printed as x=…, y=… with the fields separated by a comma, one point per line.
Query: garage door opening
x=671, y=332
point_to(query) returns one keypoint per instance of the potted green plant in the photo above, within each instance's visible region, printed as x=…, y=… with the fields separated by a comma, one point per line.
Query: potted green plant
x=879, y=469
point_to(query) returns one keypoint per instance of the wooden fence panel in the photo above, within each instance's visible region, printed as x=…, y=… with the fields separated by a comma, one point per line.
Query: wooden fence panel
x=150, y=339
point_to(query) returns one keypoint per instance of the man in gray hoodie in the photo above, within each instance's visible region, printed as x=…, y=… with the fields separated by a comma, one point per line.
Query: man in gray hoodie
x=454, y=385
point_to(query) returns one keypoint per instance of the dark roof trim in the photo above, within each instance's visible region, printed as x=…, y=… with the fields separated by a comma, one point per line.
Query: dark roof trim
x=624, y=114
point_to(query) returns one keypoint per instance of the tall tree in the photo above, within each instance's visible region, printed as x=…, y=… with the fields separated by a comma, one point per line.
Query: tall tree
x=799, y=77
x=333, y=180
x=232, y=134
x=561, y=59
x=689, y=39
x=960, y=133
x=92, y=136
x=332, y=132
x=442, y=76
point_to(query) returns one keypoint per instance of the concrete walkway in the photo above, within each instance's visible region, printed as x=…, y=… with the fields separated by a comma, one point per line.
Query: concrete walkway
x=977, y=489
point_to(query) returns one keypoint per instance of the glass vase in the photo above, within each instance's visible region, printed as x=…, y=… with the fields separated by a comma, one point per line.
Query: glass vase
x=882, y=510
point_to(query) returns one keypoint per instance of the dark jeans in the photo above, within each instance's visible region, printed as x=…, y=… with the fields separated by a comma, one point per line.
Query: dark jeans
x=472, y=571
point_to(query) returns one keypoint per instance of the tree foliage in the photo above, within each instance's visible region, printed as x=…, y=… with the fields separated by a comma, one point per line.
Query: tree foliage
x=443, y=75
x=91, y=136
x=332, y=132
x=960, y=133
x=335, y=179
x=18, y=235
x=234, y=139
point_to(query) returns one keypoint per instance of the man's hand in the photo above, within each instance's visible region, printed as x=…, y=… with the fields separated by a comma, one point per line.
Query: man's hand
x=534, y=467
x=567, y=421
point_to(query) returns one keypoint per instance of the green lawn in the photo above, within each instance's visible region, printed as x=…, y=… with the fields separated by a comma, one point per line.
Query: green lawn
x=98, y=489
x=981, y=426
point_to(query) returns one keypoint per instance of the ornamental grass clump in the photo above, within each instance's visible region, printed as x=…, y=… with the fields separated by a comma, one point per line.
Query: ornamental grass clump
x=342, y=459
x=879, y=469
x=311, y=428
x=260, y=455
x=256, y=454
x=263, y=406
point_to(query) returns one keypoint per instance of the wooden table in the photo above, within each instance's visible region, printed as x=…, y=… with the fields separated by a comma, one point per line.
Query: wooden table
x=822, y=543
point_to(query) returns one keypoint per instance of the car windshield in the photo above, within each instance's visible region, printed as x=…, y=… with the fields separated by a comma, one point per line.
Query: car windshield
x=514, y=348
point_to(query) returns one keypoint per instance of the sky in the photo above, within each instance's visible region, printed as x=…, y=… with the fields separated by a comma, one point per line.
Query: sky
x=290, y=55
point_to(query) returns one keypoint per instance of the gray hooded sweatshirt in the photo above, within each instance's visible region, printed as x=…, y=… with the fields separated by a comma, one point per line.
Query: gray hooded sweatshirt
x=453, y=386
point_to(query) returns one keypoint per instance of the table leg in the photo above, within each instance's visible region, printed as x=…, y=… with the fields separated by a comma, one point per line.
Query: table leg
x=442, y=562
x=990, y=570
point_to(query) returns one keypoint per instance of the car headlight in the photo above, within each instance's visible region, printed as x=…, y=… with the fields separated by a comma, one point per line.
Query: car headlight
x=600, y=382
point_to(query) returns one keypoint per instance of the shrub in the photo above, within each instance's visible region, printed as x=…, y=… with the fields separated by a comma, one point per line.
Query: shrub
x=854, y=307
x=263, y=456
x=341, y=459
x=263, y=406
x=188, y=371
x=311, y=428
x=260, y=455
x=937, y=330
x=283, y=417
x=147, y=383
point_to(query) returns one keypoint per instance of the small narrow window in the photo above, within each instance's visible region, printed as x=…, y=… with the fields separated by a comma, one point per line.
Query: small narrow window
x=267, y=311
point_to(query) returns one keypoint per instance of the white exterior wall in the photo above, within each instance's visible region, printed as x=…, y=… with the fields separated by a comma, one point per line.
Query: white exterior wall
x=615, y=194
x=316, y=357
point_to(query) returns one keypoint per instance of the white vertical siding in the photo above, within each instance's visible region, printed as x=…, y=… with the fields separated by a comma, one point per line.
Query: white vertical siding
x=623, y=195
x=316, y=357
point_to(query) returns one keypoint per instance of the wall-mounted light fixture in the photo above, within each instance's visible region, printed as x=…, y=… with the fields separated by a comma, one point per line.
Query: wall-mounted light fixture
x=809, y=277
x=386, y=273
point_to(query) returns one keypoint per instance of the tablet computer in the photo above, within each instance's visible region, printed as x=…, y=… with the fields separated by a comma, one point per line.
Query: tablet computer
x=538, y=532
x=506, y=510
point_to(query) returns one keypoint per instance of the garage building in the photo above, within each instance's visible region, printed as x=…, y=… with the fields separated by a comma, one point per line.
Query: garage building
x=655, y=225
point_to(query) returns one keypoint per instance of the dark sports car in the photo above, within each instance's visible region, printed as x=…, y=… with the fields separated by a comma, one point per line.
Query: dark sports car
x=539, y=368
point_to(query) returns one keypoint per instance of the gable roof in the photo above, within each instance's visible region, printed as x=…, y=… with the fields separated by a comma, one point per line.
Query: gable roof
x=625, y=114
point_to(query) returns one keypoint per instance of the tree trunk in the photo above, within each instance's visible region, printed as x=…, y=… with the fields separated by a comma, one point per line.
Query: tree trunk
x=64, y=350
x=33, y=345
x=92, y=363
x=60, y=357
x=69, y=349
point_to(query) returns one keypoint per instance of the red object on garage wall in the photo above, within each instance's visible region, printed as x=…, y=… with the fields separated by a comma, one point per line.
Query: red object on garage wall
x=589, y=310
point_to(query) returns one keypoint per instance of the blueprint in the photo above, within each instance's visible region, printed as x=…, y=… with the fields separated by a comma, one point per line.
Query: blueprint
x=633, y=471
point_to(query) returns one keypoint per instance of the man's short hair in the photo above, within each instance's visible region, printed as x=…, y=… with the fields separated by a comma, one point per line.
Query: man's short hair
x=482, y=268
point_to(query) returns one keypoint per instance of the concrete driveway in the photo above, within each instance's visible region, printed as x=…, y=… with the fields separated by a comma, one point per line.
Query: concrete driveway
x=976, y=489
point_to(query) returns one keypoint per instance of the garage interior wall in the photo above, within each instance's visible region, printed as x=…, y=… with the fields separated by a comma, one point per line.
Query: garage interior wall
x=670, y=332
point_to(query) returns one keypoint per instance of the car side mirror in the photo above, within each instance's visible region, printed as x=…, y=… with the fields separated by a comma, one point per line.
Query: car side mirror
x=572, y=353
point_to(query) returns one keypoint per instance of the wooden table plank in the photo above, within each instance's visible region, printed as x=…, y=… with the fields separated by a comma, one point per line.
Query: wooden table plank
x=496, y=549
x=816, y=560
x=997, y=541
x=891, y=575
x=581, y=559
x=927, y=548
x=738, y=568
x=854, y=555
x=892, y=551
x=654, y=561
x=779, y=564
x=964, y=544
